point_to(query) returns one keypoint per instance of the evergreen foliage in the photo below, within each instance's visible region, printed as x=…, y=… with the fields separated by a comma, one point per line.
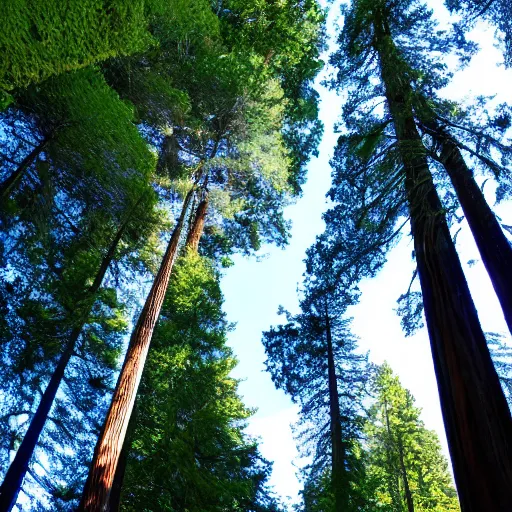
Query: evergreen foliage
x=188, y=448
x=404, y=458
x=128, y=127
x=497, y=12
x=41, y=39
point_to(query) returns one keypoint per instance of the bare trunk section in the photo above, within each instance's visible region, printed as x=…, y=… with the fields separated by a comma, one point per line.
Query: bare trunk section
x=192, y=242
x=196, y=229
x=117, y=483
x=338, y=450
x=475, y=412
x=109, y=445
x=494, y=248
x=13, y=480
x=9, y=183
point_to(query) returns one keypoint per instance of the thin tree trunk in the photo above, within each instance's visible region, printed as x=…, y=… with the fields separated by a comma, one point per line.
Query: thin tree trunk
x=338, y=450
x=494, y=248
x=110, y=442
x=395, y=493
x=405, y=479
x=9, y=183
x=13, y=480
x=475, y=412
x=197, y=227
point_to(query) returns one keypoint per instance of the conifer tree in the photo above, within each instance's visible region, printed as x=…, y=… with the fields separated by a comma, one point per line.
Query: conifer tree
x=313, y=358
x=404, y=457
x=387, y=162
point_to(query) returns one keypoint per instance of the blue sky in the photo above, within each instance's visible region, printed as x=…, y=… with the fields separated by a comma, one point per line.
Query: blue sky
x=254, y=289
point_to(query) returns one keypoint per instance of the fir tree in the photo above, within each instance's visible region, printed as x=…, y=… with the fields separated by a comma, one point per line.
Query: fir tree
x=313, y=358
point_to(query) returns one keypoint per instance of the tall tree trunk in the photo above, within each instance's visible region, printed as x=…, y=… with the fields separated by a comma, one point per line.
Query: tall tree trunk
x=192, y=242
x=117, y=484
x=109, y=445
x=494, y=248
x=475, y=412
x=16, y=473
x=338, y=449
x=394, y=479
x=405, y=479
x=197, y=227
x=9, y=183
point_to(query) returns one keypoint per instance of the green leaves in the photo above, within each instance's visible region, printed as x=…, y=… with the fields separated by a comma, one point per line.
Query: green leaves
x=189, y=450
x=401, y=451
x=45, y=38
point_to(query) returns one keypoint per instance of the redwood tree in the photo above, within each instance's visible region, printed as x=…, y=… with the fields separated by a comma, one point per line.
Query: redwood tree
x=378, y=42
x=110, y=442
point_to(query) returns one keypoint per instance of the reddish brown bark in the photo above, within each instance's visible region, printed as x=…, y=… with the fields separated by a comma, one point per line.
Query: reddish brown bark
x=197, y=227
x=108, y=448
x=117, y=485
x=475, y=412
x=494, y=248
x=193, y=238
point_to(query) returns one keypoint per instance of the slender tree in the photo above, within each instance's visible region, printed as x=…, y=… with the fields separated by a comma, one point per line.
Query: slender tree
x=69, y=216
x=110, y=442
x=461, y=358
x=313, y=358
x=405, y=458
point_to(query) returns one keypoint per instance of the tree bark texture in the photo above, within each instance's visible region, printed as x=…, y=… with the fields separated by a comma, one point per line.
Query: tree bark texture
x=476, y=415
x=338, y=450
x=108, y=448
x=192, y=242
x=196, y=230
x=117, y=484
x=494, y=248
x=13, y=480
